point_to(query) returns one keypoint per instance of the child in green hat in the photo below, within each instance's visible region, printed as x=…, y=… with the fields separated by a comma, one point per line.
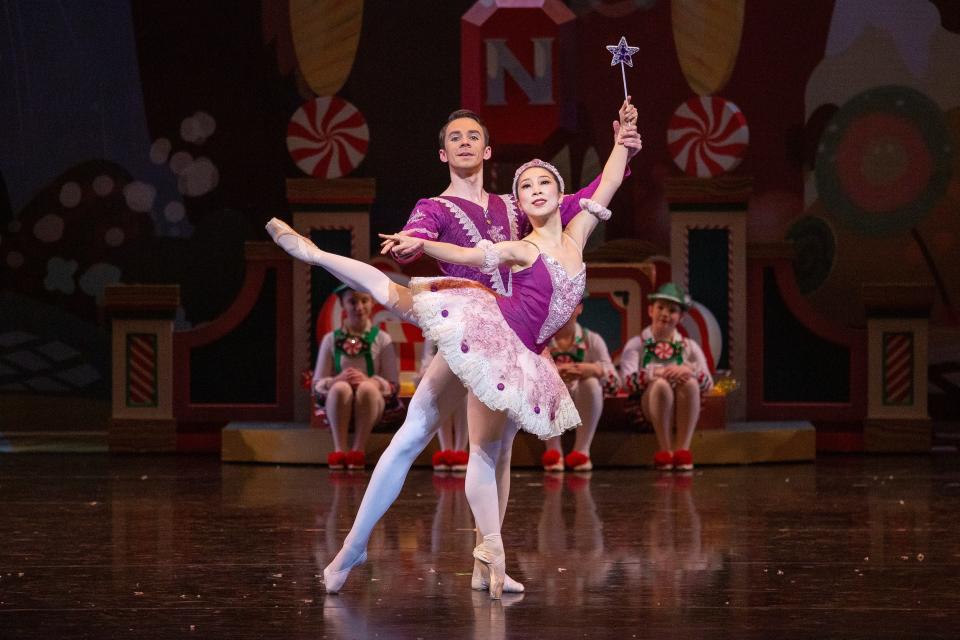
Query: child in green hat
x=669, y=372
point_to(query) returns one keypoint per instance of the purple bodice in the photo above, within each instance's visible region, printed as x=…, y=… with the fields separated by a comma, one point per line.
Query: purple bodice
x=463, y=223
x=544, y=297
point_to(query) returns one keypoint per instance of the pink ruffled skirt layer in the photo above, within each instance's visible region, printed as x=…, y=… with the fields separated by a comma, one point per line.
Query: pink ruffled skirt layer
x=463, y=319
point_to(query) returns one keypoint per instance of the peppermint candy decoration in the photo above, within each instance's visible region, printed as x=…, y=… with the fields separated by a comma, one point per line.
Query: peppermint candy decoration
x=663, y=350
x=352, y=345
x=327, y=137
x=707, y=136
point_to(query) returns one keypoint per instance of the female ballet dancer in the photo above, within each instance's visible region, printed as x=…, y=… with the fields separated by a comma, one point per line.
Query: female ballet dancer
x=493, y=343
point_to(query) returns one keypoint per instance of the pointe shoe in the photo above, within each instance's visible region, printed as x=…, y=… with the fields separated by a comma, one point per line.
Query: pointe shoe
x=292, y=242
x=490, y=552
x=333, y=580
x=480, y=580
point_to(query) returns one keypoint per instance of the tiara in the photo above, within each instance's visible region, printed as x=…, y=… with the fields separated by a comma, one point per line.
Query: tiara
x=536, y=162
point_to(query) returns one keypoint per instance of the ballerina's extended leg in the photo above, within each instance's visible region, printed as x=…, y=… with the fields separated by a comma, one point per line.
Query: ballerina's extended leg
x=357, y=275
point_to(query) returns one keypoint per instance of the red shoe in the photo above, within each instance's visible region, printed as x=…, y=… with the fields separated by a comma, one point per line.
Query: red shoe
x=578, y=461
x=439, y=461
x=663, y=460
x=551, y=460
x=682, y=460
x=459, y=460
x=356, y=460
x=336, y=460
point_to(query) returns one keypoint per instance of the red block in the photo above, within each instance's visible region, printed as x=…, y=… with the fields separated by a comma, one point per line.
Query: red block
x=516, y=69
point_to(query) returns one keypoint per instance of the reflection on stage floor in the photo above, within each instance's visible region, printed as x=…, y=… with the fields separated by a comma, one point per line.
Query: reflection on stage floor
x=99, y=546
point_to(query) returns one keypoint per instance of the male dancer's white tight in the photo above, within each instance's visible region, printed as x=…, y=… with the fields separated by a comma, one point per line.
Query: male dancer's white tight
x=488, y=475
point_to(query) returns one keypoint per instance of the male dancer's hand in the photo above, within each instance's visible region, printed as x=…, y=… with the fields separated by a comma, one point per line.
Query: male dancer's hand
x=393, y=245
x=400, y=244
x=628, y=137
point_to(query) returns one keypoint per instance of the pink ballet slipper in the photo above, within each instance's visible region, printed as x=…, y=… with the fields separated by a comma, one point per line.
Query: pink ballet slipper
x=333, y=579
x=490, y=553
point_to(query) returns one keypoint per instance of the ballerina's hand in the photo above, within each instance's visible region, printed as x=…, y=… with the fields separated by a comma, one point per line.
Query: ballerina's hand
x=628, y=113
x=400, y=245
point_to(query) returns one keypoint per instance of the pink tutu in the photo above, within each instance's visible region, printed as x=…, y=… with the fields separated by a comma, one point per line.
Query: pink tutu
x=464, y=320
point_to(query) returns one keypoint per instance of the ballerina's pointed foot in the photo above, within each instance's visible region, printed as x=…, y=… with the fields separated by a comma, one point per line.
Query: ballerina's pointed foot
x=277, y=227
x=490, y=552
x=480, y=581
x=292, y=242
x=333, y=579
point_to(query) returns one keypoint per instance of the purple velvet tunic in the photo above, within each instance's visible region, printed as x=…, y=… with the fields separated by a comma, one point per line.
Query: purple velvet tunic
x=461, y=222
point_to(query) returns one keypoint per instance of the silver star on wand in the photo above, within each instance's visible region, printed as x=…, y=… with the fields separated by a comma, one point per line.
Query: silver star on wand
x=622, y=52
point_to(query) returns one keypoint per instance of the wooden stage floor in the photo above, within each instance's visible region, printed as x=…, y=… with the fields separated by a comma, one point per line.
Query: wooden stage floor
x=188, y=547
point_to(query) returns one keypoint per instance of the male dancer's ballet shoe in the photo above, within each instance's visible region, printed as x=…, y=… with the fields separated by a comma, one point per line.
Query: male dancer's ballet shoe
x=480, y=581
x=458, y=461
x=490, y=552
x=682, y=460
x=578, y=461
x=663, y=461
x=336, y=460
x=552, y=460
x=333, y=579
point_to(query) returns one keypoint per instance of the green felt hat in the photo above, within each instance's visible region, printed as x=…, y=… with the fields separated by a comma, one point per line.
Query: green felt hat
x=672, y=292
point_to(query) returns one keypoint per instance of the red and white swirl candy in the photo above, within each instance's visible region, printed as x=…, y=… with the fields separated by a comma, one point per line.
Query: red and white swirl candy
x=327, y=137
x=663, y=350
x=707, y=136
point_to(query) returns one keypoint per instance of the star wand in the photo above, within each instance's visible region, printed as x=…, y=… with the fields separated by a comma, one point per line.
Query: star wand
x=622, y=54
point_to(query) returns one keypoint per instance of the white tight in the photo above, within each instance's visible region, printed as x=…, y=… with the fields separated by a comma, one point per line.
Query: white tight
x=487, y=484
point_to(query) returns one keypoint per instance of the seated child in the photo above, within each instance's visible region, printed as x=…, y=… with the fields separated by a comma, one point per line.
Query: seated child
x=583, y=361
x=355, y=377
x=670, y=373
